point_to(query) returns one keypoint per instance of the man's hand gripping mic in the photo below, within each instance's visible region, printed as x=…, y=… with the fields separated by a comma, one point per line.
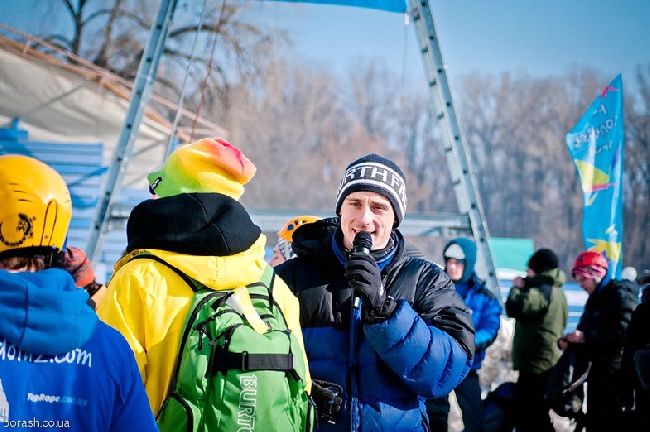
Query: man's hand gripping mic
x=361, y=244
x=364, y=276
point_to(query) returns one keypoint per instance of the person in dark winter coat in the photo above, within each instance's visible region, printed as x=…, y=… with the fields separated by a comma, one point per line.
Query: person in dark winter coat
x=602, y=330
x=642, y=356
x=408, y=337
x=635, y=395
x=60, y=367
x=540, y=309
x=460, y=260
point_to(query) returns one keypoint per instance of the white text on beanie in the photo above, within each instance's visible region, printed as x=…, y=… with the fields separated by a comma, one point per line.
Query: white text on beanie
x=375, y=173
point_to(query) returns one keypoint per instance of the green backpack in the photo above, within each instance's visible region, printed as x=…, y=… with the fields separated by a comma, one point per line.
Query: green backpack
x=231, y=377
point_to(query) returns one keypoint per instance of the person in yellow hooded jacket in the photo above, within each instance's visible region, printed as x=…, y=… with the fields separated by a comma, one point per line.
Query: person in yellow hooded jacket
x=196, y=224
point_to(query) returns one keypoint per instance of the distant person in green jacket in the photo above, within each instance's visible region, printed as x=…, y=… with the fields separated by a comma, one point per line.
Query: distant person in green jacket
x=540, y=309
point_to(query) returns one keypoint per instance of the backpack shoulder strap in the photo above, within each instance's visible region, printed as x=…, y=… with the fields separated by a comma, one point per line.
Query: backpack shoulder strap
x=245, y=361
x=267, y=281
x=156, y=258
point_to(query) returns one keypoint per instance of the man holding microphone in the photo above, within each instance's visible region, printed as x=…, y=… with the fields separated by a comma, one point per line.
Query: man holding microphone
x=408, y=337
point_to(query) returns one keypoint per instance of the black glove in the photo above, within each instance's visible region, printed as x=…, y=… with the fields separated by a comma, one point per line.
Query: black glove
x=328, y=398
x=364, y=277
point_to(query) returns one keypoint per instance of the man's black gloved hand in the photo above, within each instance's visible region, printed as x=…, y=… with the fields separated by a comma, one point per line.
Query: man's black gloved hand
x=328, y=398
x=364, y=277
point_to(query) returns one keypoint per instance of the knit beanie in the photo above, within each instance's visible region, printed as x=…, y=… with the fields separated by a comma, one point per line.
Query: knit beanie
x=208, y=165
x=590, y=272
x=78, y=265
x=454, y=251
x=543, y=260
x=629, y=273
x=374, y=173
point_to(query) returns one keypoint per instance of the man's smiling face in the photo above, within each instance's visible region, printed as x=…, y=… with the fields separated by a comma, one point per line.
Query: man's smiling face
x=370, y=212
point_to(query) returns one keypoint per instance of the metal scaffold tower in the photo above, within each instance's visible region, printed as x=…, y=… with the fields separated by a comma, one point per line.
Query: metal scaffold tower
x=471, y=217
x=462, y=175
x=144, y=81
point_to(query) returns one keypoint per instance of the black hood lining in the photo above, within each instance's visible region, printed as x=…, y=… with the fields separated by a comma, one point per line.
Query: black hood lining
x=204, y=224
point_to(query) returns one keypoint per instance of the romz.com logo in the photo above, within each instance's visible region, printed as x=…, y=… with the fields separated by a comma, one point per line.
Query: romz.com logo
x=77, y=356
x=35, y=423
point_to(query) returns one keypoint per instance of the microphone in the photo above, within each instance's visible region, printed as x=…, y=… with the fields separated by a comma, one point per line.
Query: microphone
x=361, y=244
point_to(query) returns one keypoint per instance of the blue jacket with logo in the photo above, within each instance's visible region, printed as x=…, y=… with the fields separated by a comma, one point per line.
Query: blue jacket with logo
x=60, y=367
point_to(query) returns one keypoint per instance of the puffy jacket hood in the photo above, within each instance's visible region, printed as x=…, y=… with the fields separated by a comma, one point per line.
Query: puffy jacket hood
x=554, y=277
x=44, y=312
x=192, y=223
x=208, y=236
x=469, y=249
x=314, y=240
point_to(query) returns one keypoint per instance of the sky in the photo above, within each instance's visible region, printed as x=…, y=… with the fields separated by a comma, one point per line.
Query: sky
x=520, y=36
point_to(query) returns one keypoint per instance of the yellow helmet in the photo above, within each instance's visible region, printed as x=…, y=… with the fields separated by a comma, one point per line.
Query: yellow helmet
x=287, y=230
x=285, y=235
x=36, y=206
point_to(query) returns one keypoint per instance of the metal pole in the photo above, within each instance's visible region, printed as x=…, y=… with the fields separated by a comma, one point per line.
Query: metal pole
x=142, y=87
x=462, y=175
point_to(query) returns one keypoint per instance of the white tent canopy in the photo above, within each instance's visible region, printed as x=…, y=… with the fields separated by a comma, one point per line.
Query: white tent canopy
x=77, y=102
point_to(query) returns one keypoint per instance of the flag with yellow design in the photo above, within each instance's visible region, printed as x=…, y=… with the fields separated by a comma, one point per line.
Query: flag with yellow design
x=596, y=147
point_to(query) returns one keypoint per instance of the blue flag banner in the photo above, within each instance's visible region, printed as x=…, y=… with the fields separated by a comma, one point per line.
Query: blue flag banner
x=596, y=147
x=398, y=6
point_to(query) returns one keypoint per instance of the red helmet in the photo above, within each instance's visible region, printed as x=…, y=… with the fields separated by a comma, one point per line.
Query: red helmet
x=590, y=259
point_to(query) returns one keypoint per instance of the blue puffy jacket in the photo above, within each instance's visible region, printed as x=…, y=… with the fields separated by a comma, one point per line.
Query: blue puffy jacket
x=423, y=349
x=486, y=308
x=486, y=316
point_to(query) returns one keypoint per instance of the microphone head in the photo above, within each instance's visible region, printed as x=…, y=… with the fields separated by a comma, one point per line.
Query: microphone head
x=362, y=240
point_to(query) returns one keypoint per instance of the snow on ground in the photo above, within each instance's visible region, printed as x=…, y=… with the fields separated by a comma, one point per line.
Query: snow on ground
x=495, y=370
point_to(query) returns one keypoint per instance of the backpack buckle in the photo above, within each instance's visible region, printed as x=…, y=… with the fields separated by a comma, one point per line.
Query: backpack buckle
x=244, y=361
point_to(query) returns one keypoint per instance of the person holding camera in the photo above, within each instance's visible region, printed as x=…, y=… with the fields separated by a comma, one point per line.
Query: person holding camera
x=540, y=310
